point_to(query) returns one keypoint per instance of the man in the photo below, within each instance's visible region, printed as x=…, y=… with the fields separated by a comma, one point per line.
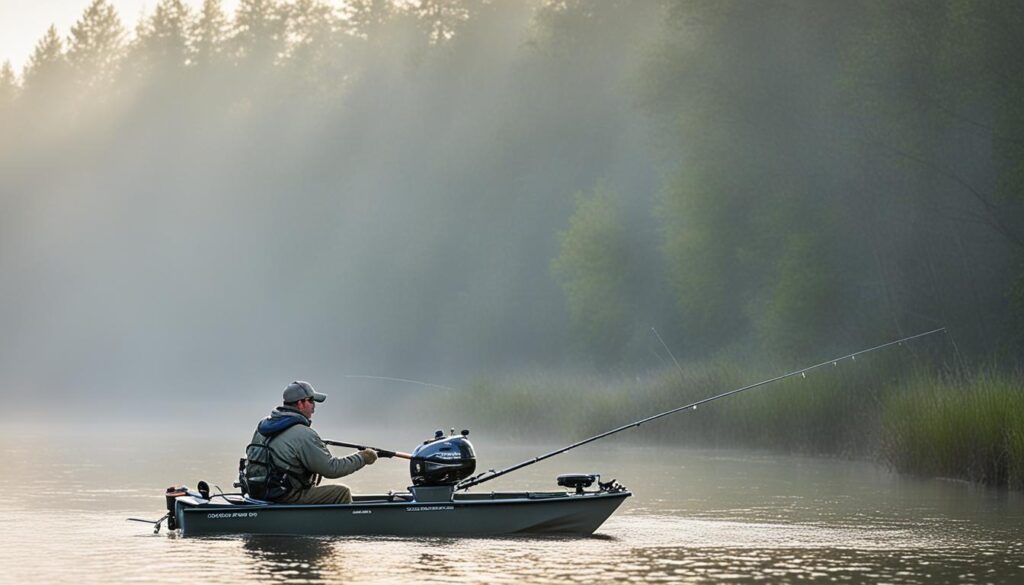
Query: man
x=286, y=458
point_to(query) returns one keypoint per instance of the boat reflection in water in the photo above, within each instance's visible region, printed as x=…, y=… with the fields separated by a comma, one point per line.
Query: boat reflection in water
x=289, y=558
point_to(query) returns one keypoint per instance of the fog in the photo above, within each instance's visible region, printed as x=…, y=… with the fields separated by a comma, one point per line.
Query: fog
x=197, y=209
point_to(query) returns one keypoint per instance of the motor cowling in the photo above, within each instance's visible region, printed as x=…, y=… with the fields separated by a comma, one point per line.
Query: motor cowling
x=443, y=460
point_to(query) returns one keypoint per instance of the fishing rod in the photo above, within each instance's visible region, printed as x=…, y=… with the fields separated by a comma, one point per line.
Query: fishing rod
x=492, y=474
x=380, y=452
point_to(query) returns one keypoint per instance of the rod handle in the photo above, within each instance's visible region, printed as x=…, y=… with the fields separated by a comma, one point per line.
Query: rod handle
x=380, y=452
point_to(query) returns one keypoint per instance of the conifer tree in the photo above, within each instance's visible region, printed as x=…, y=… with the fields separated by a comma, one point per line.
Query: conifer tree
x=164, y=43
x=311, y=27
x=8, y=85
x=314, y=44
x=442, y=18
x=8, y=95
x=209, y=34
x=259, y=32
x=47, y=65
x=96, y=45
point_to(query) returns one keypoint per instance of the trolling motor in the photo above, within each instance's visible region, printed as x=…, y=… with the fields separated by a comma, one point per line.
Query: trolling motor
x=439, y=464
x=171, y=495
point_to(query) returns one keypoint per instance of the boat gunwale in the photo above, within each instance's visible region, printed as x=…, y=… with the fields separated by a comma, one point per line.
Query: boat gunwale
x=190, y=508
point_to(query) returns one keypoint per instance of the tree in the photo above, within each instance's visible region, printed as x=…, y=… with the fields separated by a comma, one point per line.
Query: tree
x=95, y=46
x=314, y=47
x=597, y=269
x=260, y=30
x=705, y=224
x=936, y=89
x=802, y=309
x=46, y=66
x=442, y=18
x=209, y=34
x=8, y=85
x=9, y=90
x=164, y=43
x=745, y=94
x=365, y=18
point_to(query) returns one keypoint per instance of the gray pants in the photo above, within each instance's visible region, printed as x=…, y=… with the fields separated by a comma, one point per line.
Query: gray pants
x=322, y=494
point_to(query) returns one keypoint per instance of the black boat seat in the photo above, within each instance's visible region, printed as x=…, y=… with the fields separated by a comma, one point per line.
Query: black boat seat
x=577, y=481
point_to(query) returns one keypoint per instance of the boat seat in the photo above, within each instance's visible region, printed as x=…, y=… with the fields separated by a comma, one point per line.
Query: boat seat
x=577, y=481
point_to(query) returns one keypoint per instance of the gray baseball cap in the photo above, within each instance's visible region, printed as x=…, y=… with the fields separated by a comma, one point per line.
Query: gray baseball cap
x=299, y=390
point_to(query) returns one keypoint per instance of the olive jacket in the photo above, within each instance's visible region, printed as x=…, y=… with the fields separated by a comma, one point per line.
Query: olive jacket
x=299, y=450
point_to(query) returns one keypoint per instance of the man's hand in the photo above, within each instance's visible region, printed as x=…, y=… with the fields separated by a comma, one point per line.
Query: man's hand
x=368, y=455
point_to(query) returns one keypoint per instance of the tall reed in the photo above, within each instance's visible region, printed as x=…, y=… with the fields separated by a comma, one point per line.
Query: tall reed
x=967, y=426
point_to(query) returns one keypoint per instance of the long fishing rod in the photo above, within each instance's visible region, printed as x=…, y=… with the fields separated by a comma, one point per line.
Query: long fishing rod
x=380, y=452
x=492, y=474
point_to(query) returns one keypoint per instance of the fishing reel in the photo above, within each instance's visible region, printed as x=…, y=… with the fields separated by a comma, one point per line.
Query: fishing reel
x=442, y=461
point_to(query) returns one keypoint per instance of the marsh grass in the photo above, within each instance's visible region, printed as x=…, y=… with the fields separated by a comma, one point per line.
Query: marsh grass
x=961, y=426
x=827, y=412
x=916, y=418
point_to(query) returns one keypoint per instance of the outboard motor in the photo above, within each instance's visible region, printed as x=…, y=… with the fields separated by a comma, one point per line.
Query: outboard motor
x=443, y=461
x=439, y=464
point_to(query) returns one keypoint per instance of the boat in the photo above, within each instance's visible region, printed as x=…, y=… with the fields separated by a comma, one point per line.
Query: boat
x=437, y=503
x=427, y=513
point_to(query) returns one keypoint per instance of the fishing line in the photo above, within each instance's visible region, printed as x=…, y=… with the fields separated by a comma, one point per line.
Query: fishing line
x=406, y=380
x=657, y=355
x=682, y=377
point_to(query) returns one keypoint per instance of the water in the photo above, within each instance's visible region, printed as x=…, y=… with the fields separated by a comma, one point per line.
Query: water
x=696, y=517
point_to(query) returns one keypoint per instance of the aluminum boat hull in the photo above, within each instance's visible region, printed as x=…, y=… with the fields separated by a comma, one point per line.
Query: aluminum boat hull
x=463, y=515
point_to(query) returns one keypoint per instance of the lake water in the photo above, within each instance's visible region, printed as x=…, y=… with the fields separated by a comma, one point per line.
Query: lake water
x=696, y=516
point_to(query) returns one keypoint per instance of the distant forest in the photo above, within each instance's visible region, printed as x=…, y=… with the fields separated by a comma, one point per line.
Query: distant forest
x=439, y=186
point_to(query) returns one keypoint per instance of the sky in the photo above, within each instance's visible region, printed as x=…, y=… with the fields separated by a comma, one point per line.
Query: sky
x=23, y=22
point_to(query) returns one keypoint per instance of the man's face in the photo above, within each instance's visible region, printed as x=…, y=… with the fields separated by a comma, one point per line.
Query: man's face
x=306, y=407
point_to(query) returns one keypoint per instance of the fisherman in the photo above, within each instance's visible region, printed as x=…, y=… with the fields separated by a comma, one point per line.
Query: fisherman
x=287, y=458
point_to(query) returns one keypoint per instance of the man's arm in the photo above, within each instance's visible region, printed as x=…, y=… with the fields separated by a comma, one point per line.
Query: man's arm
x=316, y=458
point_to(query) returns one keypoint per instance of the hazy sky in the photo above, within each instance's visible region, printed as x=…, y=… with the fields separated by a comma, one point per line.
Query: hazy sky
x=23, y=22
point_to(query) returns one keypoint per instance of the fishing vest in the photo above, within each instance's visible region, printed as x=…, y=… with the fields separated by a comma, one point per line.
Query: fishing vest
x=262, y=478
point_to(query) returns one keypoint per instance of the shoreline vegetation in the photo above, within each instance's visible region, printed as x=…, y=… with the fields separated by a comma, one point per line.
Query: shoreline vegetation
x=959, y=423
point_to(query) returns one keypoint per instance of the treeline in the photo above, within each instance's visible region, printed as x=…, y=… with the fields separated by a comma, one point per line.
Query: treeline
x=840, y=172
x=438, y=187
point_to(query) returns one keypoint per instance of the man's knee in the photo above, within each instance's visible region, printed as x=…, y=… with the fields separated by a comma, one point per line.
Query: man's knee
x=325, y=494
x=339, y=494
